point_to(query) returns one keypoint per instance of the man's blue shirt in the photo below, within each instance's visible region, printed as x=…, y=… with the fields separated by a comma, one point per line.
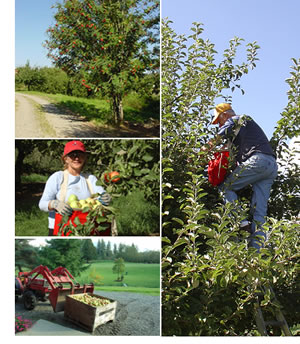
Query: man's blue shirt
x=250, y=139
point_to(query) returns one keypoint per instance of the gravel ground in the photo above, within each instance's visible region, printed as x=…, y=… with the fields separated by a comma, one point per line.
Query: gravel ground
x=137, y=315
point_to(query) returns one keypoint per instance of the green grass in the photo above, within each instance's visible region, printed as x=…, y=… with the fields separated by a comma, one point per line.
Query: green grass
x=34, y=178
x=139, y=276
x=136, y=108
x=148, y=291
x=30, y=220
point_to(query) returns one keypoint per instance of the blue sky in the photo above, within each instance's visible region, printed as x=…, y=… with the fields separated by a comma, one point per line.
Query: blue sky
x=32, y=19
x=274, y=24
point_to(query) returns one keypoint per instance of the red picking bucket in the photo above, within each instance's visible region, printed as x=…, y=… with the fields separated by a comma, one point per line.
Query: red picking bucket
x=82, y=218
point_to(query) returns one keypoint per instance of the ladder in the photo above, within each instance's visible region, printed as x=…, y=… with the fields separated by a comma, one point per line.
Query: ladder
x=279, y=322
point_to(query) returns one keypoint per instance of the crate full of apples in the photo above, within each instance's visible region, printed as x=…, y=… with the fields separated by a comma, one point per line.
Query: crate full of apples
x=89, y=310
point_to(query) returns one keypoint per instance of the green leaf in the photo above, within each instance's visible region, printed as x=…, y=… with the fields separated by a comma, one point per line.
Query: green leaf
x=178, y=220
x=147, y=158
x=77, y=221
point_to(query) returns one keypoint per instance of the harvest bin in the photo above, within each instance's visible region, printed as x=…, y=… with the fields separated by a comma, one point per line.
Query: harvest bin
x=86, y=316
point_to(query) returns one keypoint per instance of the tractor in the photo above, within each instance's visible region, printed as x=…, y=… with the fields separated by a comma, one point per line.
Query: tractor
x=41, y=283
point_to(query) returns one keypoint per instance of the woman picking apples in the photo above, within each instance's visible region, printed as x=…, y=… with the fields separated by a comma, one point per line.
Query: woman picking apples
x=62, y=184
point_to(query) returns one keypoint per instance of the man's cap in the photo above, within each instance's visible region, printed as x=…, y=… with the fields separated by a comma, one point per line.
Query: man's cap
x=74, y=146
x=220, y=108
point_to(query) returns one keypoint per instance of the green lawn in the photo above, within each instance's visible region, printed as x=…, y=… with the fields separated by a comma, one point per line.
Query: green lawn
x=137, y=275
x=148, y=291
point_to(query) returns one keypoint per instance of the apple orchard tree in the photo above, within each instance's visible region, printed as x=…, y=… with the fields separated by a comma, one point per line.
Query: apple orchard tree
x=106, y=45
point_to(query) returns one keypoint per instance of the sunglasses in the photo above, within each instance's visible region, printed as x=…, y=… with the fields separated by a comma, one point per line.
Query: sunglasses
x=76, y=154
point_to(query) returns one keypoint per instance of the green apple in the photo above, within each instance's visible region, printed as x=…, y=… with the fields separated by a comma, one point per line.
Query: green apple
x=75, y=204
x=83, y=202
x=90, y=201
x=72, y=198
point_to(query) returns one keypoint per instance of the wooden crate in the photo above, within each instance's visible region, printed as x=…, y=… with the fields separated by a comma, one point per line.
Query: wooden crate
x=86, y=316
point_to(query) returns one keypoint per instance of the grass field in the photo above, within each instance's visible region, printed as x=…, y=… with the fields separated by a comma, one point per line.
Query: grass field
x=136, y=275
x=148, y=291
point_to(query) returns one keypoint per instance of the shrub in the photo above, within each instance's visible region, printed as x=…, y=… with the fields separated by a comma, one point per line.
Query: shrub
x=135, y=215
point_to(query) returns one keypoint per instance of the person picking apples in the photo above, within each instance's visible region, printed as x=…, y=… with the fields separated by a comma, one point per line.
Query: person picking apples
x=63, y=185
x=255, y=165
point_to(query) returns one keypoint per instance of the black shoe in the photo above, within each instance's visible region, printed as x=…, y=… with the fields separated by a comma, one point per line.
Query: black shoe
x=246, y=228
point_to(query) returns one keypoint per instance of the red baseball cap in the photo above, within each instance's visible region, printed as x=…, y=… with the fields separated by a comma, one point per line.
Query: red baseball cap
x=74, y=146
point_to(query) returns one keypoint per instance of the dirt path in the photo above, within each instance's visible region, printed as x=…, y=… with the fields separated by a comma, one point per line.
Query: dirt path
x=137, y=315
x=37, y=117
x=26, y=123
x=50, y=122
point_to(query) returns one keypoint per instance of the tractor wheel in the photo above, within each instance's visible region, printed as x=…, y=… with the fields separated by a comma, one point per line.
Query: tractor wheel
x=29, y=300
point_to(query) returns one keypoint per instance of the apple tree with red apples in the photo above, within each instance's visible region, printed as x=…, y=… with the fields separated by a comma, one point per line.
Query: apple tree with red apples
x=106, y=45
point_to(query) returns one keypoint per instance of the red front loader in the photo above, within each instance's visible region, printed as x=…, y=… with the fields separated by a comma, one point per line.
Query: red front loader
x=41, y=283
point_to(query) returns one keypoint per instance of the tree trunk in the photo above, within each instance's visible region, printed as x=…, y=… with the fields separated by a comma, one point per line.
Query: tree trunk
x=117, y=108
x=89, y=93
x=19, y=163
x=69, y=88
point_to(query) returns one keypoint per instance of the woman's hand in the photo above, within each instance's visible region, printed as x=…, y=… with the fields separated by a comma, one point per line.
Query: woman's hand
x=62, y=208
x=105, y=198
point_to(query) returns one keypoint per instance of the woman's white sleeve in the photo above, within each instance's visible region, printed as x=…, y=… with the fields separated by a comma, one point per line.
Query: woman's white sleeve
x=50, y=191
x=96, y=188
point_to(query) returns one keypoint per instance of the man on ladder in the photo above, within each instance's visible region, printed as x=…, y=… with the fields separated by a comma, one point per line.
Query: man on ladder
x=256, y=165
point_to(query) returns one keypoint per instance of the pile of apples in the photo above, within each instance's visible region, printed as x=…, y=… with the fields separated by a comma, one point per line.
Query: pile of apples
x=89, y=202
x=91, y=300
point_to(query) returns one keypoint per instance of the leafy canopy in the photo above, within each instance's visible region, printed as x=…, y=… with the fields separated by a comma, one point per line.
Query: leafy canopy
x=107, y=45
